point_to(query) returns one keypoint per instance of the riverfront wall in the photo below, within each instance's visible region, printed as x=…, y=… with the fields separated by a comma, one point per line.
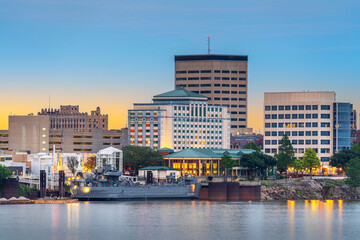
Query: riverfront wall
x=229, y=191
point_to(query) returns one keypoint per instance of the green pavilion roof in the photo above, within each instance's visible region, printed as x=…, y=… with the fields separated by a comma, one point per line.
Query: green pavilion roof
x=158, y=168
x=209, y=153
x=180, y=93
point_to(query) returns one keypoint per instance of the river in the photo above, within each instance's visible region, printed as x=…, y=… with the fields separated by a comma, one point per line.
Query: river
x=331, y=219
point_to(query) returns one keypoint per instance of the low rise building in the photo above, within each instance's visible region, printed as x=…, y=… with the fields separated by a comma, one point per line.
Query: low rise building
x=179, y=119
x=202, y=162
x=239, y=141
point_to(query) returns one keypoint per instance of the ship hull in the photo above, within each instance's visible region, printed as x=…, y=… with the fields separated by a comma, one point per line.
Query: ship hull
x=137, y=193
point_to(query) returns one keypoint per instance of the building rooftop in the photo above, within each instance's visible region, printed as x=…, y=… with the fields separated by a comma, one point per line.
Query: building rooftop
x=211, y=57
x=159, y=168
x=180, y=93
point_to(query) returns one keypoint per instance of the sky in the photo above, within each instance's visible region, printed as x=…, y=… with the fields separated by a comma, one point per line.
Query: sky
x=114, y=53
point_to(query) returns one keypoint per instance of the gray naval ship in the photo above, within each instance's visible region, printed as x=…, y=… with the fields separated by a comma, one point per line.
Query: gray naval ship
x=108, y=184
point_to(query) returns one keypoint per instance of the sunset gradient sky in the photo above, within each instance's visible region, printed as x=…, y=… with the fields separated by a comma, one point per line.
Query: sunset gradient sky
x=114, y=53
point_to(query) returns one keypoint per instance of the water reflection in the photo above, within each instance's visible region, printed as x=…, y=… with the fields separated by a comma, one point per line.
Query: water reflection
x=183, y=220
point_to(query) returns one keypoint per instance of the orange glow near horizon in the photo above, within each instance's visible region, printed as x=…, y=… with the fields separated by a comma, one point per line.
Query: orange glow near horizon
x=117, y=111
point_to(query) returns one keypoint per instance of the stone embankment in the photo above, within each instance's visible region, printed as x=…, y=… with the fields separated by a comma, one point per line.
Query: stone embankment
x=308, y=190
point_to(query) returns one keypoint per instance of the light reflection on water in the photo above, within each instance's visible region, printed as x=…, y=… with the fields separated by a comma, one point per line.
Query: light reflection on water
x=314, y=219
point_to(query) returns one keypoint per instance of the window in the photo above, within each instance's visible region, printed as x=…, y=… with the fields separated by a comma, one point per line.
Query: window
x=273, y=116
x=225, y=78
x=314, y=107
x=294, y=133
x=287, y=116
x=325, y=107
x=294, y=142
x=180, y=72
x=325, y=142
x=301, y=125
x=205, y=71
x=225, y=71
x=273, y=142
x=294, y=107
x=301, y=133
x=193, y=85
x=281, y=125
x=294, y=116
x=267, y=125
x=314, y=142
x=308, y=116
x=216, y=71
x=314, y=133
x=267, y=133
x=274, y=133
x=308, y=142
x=267, y=150
x=205, y=85
x=308, y=124
x=274, y=108
x=315, y=116
x=281, y=116
x=281, y=108
x=314, y=124
x=242, y=72
x=325, y=150
x=274, y=125
x=287, y=108
x=325, y=124
x=325, y=133
x=308, y=107
x=301, y=107
x=308, y=133
x=281, y=133
x=267, y=142
x=301, y=142
x=274, y=150
x=325, y=159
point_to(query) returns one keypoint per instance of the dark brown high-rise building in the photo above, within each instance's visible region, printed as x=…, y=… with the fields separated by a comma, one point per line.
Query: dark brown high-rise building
x=222, y=78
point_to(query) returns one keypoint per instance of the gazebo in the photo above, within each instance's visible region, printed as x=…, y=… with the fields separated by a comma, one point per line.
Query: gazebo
x=110, y=156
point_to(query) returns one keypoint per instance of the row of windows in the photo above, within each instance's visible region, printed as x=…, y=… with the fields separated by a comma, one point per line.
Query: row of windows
x=302, y=150
x=236, y=126
x=297, y=116
x=228, y=99
x=299, y=142
x=295, y=125
x=209, y=85
x=296, y=107
x=209, y=78
x=297, y=133
x=188, y=108
x=209, y=71
x=200, y=137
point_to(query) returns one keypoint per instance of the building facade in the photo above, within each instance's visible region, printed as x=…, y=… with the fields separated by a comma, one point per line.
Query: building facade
x=310, y=119
x=179, y=119
x=223, y=79
x=64, y=129
x=69, y=117
x=239, y=141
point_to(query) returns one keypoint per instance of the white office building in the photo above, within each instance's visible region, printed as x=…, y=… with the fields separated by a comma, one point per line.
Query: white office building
x=311, y=120
x=179, y=119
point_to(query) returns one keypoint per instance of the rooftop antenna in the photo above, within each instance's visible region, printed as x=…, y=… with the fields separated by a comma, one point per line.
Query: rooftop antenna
x=209, y=49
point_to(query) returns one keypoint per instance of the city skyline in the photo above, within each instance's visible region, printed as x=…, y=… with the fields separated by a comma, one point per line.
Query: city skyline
x=112, y=55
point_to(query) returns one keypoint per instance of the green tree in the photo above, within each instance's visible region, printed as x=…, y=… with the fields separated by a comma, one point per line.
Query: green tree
x=138, y=157
x=356, y=148
x=343, y=157
x=90, y=164
x=257, y=162
x=311, y=160
x=286, y=154
x=353, y=172
x=228, y=163
x=299, y=166
x=252, y=145
x=4, y=173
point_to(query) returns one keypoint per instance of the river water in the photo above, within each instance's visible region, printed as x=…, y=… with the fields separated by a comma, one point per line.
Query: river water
x=182, y=220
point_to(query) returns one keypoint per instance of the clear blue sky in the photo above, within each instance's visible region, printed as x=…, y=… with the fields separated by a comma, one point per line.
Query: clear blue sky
x=113, y=53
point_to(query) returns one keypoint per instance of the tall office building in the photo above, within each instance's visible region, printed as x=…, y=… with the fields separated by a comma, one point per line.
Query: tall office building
x=311, y=120
x=179, y=119
x=221, y=78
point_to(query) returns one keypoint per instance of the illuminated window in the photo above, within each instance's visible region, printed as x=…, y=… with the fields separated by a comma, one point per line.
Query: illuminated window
x=44, y=129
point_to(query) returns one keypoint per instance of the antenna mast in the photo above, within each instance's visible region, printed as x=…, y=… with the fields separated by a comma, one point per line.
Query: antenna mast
x=209, y=49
